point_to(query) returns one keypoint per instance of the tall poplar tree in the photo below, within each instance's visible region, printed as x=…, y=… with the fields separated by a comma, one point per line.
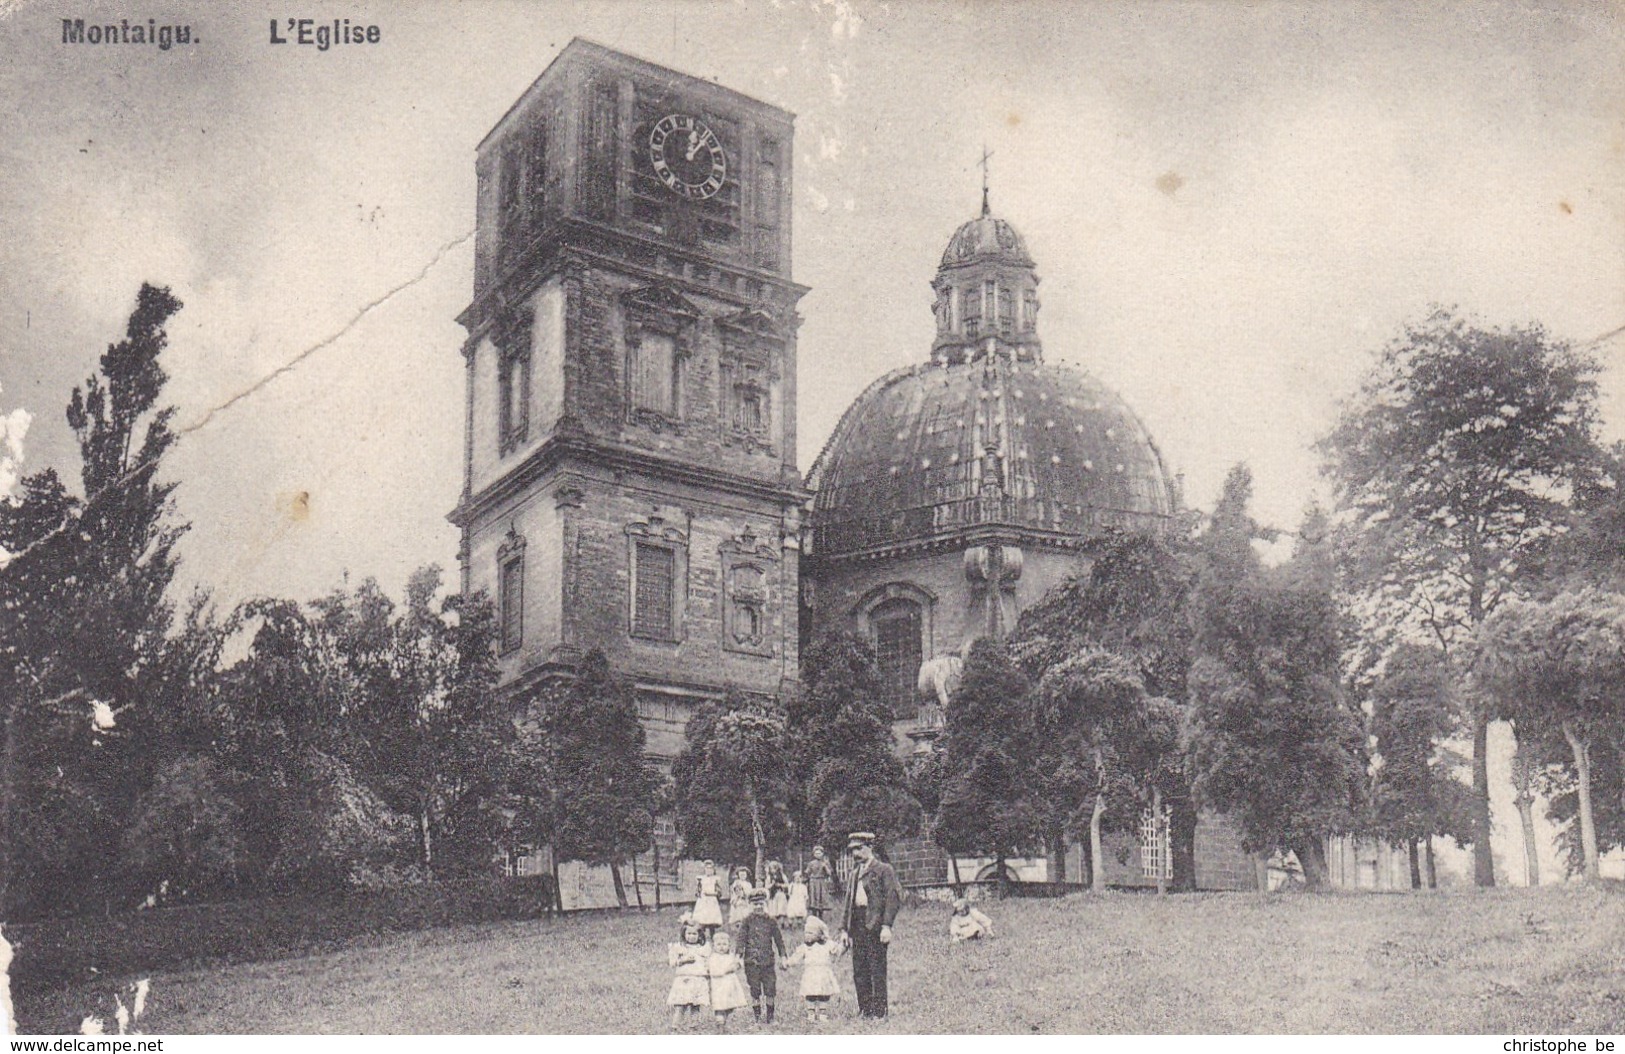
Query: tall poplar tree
x=82, y=623
x=1452, y=461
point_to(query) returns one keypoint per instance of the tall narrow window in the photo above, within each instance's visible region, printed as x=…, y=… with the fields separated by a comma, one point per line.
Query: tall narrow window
x=750, y=400
x=767, y=204
x=511, y=600
x=1006, y=311
x=510, y=193
x=654, y=601
x=1029, y=311
x=896, y=626
x=512, y=339
x=971, y=304
x=654, y=373
x=536, y=174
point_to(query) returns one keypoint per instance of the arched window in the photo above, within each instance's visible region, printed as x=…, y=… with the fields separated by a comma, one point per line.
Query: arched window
x=896, y=626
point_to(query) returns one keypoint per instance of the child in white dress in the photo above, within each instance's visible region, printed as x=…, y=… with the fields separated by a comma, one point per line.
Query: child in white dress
x=726, y=972
x=816, y=956
x=778, y=891
x=708, y=901
x=690, y=989
x=796, y=910
x=968, y=924
x=739, y=897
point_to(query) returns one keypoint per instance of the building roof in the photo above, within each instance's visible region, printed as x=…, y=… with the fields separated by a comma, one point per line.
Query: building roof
x=932, y=450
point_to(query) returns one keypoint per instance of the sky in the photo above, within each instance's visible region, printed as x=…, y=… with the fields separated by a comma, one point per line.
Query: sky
x=1232, y=207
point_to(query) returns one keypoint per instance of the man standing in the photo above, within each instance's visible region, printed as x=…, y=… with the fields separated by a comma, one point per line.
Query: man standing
x=873, y=898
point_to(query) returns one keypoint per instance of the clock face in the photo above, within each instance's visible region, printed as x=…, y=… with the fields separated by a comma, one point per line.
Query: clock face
x=687, y=156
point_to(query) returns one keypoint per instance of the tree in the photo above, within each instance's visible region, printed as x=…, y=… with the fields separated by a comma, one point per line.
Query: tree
x=1133, y=604
x=438, y=735
x=845, y=766
x=731, y=780
x=1093, y=720
x=602, y=786
x=1451, y=461
x=306, y=816
x=1561, y=663
x=82, y=618
x=987, y=805
x=184, y=828
x=1415, y=794
x=1269, y=737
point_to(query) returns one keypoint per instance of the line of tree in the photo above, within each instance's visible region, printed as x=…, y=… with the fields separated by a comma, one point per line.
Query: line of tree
x=279, y=746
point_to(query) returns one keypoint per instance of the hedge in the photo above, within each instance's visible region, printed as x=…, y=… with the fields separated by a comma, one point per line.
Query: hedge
x=59, y=952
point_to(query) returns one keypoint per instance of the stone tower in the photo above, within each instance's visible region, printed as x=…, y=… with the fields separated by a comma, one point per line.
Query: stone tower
x=630, y=480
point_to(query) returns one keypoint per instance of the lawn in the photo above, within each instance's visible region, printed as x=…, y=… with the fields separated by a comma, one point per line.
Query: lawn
x=1502, y=961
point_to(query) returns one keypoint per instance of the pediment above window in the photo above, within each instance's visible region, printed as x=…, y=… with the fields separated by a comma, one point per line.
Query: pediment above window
x=752, y=322
x=660, y=300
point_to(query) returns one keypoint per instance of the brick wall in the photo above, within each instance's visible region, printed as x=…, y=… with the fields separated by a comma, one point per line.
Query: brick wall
x=918, y=862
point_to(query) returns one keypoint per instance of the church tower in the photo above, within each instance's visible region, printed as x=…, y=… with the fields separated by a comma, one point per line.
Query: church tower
x=629, y=458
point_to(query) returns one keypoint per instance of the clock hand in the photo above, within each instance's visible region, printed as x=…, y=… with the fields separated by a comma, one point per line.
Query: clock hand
x=693, y=144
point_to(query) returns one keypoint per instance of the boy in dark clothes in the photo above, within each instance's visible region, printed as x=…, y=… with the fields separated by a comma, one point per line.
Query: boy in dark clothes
x=762, y=948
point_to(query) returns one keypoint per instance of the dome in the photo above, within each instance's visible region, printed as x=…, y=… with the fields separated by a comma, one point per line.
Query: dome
x=986, y=238
x=939, y=449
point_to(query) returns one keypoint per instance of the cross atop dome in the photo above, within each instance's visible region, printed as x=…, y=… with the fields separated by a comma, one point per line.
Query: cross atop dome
x=986, y=156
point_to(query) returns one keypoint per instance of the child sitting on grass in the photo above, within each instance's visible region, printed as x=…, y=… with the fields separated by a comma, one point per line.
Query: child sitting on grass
x=968, y=924
x=690, y=988
x=815, y=957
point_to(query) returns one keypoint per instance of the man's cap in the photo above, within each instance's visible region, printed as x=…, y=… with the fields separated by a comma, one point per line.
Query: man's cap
x=758, y=895
x=857, y=838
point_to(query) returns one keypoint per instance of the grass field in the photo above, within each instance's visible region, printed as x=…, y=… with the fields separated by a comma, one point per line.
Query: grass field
x=1502, y=961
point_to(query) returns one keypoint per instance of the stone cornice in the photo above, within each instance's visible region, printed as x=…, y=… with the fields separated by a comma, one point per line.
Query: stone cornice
x=571, y=238
x=557, y=448
x=982, y=534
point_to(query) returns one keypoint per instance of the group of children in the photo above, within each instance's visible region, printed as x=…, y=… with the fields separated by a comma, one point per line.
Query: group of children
x=725, y=971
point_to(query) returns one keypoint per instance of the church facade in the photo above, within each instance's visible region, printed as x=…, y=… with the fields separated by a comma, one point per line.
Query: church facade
x=630, y=473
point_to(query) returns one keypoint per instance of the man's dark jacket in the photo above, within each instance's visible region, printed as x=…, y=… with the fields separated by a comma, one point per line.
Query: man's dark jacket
x=885, y=895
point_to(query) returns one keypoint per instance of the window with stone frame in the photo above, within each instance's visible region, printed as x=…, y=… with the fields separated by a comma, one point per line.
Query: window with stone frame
x=654, y=373
x=897, y=627
x=512, y=340
x=1029, y=311
x=1007, y=318
x=747, y=611
x=749, y=399
x=511, y=593
x=659, y=324
x=767, y=204
x=971, y=304
x=510, y=190
x=654, y=597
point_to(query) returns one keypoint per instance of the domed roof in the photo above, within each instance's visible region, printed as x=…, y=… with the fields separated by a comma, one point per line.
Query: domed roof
x=986, y=238
x=932, y=450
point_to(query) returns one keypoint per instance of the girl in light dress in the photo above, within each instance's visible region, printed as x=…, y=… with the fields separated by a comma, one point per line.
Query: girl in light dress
x=796, y=910
x=778, y=891
x=816, y=956
x=707, y=901
x=968, y=924
x=690, y=988
x=739, y=896
x=726, y=973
